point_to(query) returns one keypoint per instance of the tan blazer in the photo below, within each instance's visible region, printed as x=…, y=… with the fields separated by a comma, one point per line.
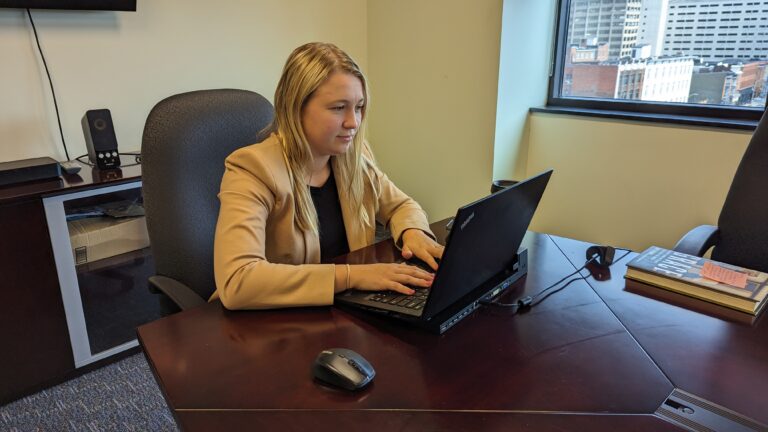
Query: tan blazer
x=261, y=258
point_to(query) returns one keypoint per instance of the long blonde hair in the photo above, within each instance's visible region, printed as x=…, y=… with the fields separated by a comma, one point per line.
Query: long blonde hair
x=306, y=69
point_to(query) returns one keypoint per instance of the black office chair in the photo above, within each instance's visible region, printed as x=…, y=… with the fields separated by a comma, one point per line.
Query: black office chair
x=741, y=235
x=186, y=139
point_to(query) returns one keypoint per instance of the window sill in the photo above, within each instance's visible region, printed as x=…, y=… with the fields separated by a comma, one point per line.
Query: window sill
x=747, y=125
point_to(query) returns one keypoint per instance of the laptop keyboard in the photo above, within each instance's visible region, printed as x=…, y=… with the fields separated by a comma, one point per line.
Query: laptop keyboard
x=414, y=301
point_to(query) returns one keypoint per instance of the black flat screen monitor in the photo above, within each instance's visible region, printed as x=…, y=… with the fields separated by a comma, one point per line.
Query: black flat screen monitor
x=113, y=5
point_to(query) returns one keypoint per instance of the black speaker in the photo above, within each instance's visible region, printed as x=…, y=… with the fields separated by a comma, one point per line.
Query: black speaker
x=100, y=139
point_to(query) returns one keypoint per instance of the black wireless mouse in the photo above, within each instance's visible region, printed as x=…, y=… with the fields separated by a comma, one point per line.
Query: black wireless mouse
x=343, y=368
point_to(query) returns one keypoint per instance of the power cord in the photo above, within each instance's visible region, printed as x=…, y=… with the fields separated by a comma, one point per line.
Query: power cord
x=528, y=302
x=50, y=82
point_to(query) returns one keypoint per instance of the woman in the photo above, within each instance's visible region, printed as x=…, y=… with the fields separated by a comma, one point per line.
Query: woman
x=309, y=192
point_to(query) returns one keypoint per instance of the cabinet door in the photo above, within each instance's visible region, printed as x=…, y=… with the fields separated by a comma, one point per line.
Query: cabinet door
x=33, y=328
x=100, y=246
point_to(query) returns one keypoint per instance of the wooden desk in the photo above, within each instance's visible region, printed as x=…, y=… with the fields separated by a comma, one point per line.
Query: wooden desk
x=704, y=349
x=595, y=356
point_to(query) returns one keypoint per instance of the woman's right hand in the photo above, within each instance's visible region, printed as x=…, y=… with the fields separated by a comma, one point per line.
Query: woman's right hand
x=390, y=276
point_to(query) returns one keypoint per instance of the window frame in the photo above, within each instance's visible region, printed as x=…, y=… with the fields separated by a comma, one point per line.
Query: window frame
x=709, y=115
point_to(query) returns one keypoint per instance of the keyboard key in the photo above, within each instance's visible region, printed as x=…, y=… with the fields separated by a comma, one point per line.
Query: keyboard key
x=404, y=302
x=415, y=301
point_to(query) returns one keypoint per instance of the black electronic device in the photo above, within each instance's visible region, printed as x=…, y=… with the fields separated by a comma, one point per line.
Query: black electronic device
x=601, y=256
x=343, y=368
x=100, y=139
x=113, y=5
x=26, y=170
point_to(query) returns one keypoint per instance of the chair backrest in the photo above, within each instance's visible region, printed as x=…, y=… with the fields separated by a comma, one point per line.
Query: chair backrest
x=186, y=139
x=743, y=222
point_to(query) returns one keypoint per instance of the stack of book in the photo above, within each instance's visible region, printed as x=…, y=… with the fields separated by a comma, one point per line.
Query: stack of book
x=724, y=284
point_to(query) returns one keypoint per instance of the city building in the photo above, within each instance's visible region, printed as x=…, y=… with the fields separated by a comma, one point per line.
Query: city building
x=708, y=85
x=730, y=84
x=752, y=76
x=612, y=22
x=653, y=18
x=651, y=79
x=631, y=79
x=642, y=51
x=714, y=30
x=588, y=51
x=667, y=79
x=590, y=80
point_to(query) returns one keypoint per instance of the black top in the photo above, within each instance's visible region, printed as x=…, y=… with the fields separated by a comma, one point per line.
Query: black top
x=333, y=236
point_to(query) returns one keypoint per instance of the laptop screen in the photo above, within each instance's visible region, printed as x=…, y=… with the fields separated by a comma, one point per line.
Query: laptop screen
x=484, y=239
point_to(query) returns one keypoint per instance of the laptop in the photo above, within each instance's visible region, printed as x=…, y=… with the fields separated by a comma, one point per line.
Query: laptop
x=480, y=260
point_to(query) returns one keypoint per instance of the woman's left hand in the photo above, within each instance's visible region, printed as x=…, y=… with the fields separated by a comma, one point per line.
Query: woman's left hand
x=417, y=243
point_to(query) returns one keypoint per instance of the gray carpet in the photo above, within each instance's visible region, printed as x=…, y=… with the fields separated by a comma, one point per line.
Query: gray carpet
x=122, y=396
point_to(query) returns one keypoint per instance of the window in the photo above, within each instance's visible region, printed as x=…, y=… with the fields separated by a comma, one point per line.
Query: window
x=653, y=65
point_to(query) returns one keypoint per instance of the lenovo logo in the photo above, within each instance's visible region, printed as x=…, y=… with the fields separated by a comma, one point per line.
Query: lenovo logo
x=466, y=221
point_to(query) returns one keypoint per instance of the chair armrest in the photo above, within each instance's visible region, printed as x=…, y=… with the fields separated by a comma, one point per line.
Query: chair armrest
x=181, y=294
x=698, y=240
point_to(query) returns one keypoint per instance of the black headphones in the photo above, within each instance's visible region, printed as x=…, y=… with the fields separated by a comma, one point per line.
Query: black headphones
x=601, y=256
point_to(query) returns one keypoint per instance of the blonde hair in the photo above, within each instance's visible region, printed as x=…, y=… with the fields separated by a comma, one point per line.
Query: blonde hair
x=306, y=69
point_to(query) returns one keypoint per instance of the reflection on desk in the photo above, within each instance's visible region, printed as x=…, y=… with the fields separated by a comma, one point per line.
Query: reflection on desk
x=104, y=175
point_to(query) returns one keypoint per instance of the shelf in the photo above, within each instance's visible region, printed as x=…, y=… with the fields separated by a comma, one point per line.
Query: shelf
x=122, y=260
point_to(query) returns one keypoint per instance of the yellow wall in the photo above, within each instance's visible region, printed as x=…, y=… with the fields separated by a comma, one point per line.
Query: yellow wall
x=434, y=72
x=630, y=184
x=128, y=61
x=434, y=67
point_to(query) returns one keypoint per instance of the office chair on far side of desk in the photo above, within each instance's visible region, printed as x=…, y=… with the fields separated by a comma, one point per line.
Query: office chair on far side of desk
x=741, y=235
x=186, y=139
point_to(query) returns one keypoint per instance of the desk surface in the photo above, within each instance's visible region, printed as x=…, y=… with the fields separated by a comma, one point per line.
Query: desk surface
x=594, y=356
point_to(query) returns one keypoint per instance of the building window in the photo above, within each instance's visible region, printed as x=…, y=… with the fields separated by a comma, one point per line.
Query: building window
x=672, y=74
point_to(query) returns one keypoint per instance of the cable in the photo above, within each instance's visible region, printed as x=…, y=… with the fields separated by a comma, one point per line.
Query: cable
x=53, y=93
x=626, y=252
x=82, y=161
x=530, y=301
